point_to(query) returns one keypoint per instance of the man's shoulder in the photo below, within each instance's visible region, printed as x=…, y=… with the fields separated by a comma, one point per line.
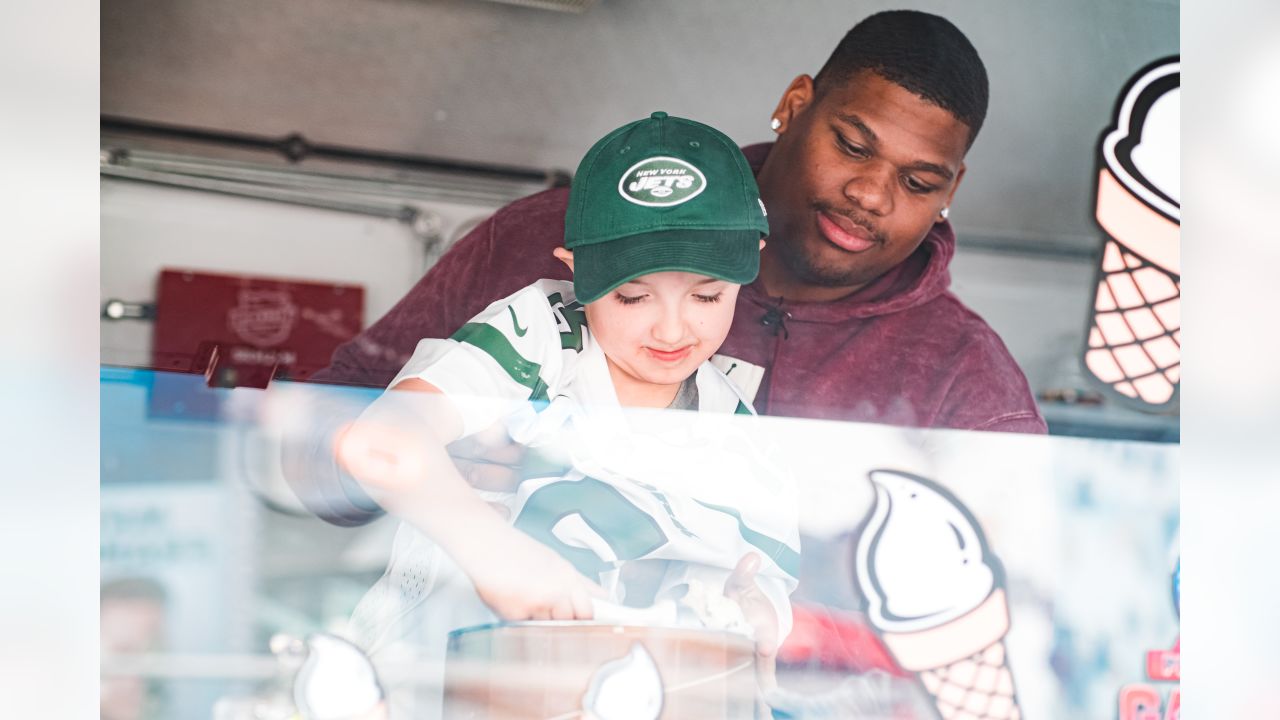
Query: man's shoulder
x=535, y=221
x=547, y=206
x=517, y=242
x=989, y=387
x=546, y=292
x=946, y=317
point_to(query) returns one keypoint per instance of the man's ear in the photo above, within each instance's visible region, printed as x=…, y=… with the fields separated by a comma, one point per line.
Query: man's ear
x=798, y=95
x=565, y=256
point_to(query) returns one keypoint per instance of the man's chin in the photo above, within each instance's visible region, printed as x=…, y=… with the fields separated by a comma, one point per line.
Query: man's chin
x=823, y=264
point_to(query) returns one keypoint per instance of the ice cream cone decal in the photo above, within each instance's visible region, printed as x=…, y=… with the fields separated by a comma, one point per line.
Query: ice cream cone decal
x=337, y=682
x=1134, y=337
x=628, y=688
x=936, y=596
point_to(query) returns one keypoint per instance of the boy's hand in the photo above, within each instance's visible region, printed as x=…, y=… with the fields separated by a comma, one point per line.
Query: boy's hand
x=522, y=579
x=516, y=576
x=741, y=587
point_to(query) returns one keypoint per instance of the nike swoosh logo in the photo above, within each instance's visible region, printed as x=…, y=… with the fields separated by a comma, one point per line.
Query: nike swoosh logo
x=516, y=323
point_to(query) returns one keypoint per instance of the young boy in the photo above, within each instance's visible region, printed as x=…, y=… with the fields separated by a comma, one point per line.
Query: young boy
x=664, y=224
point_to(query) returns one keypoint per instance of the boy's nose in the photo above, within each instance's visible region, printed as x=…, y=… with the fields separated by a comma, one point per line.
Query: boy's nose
x=669, y=329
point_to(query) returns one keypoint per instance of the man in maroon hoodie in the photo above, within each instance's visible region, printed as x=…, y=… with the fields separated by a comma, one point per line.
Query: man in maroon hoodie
x=850, y=318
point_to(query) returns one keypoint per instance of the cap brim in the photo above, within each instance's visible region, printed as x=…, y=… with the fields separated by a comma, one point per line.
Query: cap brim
x=731, y=255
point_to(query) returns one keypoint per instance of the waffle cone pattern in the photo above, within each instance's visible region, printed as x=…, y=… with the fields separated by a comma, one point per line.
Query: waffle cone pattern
x=962, y=663
x=978, y=687
x=1135, y=337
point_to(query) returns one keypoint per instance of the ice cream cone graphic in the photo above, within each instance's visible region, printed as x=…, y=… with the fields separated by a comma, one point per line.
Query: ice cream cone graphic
x=936, y=597
x=1134, y=333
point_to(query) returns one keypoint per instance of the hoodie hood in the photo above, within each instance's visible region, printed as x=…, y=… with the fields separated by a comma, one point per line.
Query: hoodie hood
x=923, y=276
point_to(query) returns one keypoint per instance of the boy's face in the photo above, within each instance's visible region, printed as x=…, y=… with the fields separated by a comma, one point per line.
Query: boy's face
x=658, y=328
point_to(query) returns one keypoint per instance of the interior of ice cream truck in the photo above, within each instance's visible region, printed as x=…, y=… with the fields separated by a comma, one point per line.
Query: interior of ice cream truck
x=271, y=197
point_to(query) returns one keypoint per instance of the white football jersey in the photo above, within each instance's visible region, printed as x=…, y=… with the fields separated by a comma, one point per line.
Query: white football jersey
x=681, y=495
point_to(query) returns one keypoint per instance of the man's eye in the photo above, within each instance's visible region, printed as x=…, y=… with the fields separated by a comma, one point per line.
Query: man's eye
x=708, y=298
x=628, y=300
x=850, y=149
x=916, y=186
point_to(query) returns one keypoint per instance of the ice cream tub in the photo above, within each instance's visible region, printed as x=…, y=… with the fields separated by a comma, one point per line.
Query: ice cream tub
x=576, y=669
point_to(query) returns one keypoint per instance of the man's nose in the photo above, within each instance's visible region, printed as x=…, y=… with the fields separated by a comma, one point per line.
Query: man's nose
x=872, y=189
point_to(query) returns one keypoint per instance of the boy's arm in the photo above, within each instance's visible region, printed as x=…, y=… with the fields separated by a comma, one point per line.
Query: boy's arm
x=493, y=364
x=395, y=450
x=765, y=601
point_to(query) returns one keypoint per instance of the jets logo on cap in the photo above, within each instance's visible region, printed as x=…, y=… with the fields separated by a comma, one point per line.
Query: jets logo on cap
x=661, y=182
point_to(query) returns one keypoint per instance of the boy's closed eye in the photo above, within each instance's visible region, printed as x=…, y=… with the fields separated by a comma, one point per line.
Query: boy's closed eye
x=629, y=299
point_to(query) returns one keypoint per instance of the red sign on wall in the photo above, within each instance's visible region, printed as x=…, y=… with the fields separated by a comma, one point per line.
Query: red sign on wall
x=243, y=331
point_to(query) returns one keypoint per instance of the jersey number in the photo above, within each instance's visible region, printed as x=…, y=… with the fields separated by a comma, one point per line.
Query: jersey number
x=571, y=316
x=629, y=531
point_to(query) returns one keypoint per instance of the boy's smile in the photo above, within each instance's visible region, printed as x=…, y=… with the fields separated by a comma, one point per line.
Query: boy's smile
x=670, y=356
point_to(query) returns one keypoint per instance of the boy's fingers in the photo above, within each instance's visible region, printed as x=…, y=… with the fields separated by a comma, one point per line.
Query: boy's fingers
x=743, y=577
x=766, y=673
x=766, y=646
x=582, y=605
x=563, y=610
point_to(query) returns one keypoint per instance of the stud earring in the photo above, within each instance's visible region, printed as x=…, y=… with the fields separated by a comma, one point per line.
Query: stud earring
x=945, y=212
x=775, y=124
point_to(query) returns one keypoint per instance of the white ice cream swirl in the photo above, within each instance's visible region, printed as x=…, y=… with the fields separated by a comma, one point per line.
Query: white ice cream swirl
x=922, y=559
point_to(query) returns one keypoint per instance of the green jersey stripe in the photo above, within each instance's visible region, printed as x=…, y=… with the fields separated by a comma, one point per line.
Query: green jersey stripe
x=497, y=346
x=785, y=557
x=742, y=409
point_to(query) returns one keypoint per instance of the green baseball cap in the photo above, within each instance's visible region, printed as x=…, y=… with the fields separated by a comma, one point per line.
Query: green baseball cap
x=663, y=193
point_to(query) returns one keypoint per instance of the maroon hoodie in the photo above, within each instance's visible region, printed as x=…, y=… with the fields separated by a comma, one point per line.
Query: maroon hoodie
x=902, y=350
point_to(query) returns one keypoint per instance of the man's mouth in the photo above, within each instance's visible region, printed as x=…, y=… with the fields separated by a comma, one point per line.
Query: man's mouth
x=845, y=233
x=669, y=356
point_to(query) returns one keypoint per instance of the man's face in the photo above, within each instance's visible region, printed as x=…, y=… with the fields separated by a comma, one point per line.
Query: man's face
x=855, y=181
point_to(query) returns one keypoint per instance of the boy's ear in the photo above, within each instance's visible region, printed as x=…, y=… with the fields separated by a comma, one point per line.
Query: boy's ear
x=565, y=256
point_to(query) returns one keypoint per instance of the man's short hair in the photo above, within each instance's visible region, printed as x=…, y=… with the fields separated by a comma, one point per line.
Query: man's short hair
x=923, y=53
